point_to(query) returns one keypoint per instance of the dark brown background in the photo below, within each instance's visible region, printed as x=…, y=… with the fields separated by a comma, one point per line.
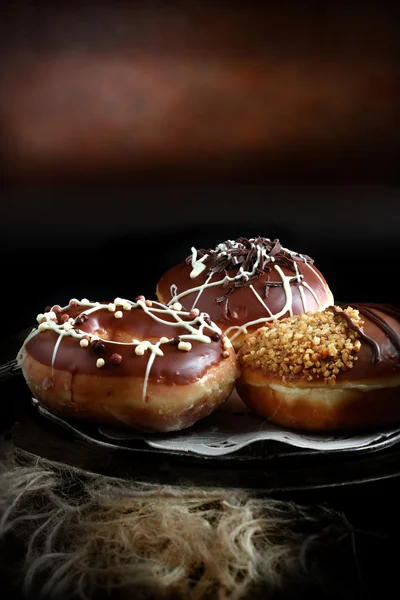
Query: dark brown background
x=220, y=89
x=131, y=131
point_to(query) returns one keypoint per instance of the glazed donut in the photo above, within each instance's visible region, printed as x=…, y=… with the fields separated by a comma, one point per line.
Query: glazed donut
x=333, y=370
x=244, y=283
x=139, y=364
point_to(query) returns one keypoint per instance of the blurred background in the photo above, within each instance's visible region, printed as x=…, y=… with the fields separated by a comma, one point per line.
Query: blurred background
x=132, y=131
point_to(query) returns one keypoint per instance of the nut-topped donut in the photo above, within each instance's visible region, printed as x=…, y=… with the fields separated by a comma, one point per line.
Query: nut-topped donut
x=244, y=283
x=139, y=364
x=331, y=370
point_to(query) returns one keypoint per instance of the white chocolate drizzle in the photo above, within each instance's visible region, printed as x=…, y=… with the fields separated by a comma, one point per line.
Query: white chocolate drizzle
x=234, y=331
x=198, y=265
x=194, y=326
x=257, y=295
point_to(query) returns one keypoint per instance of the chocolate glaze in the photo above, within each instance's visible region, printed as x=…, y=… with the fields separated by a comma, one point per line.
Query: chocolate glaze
x=379, y=355
x=175, y=367
x=359, y=331
x=368, y=311
x=243, y=304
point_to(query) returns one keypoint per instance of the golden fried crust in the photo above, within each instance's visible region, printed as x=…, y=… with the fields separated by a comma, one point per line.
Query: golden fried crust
x=348, y=379
x=322, y=407
x=118, y=400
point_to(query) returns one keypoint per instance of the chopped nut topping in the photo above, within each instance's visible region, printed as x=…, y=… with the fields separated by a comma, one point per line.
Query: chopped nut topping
x=312, y=345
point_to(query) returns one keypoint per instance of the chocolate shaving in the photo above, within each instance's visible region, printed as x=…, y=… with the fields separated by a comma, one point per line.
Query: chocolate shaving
x=225, y=299
x=242, y=255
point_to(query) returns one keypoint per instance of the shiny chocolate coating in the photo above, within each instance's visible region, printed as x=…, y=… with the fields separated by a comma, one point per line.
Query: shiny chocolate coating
x=379, y=355
x=174, y=367
x=243, y=304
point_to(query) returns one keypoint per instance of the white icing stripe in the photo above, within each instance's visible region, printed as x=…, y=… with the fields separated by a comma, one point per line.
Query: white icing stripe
x=312, y=292
x=146, y=376
x=301, y=291
x=303, y=297
x=197, y=265
x=245, y=275
x=241, y=275
x=194, y=333
x=203, y=287
x=317, y=274
x=56, y=346
x=288, y=293
x=187, y=324
x=176, y=298
x=298, y=275
x=257, y=295
x=243, y=328
x=287, y=307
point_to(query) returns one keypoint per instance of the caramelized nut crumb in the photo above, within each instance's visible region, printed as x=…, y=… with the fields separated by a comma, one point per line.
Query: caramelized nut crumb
x=312, y=345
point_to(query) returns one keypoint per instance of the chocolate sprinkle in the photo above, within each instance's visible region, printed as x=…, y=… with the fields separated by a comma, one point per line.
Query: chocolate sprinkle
x=116, y=358
x=215, y=337
x=98, y=347
x=243, y=254
x=176, y=341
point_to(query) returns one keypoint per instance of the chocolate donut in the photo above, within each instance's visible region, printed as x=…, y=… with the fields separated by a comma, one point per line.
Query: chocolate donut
x=140, y=364
x=244, y=283
x=331, y=370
